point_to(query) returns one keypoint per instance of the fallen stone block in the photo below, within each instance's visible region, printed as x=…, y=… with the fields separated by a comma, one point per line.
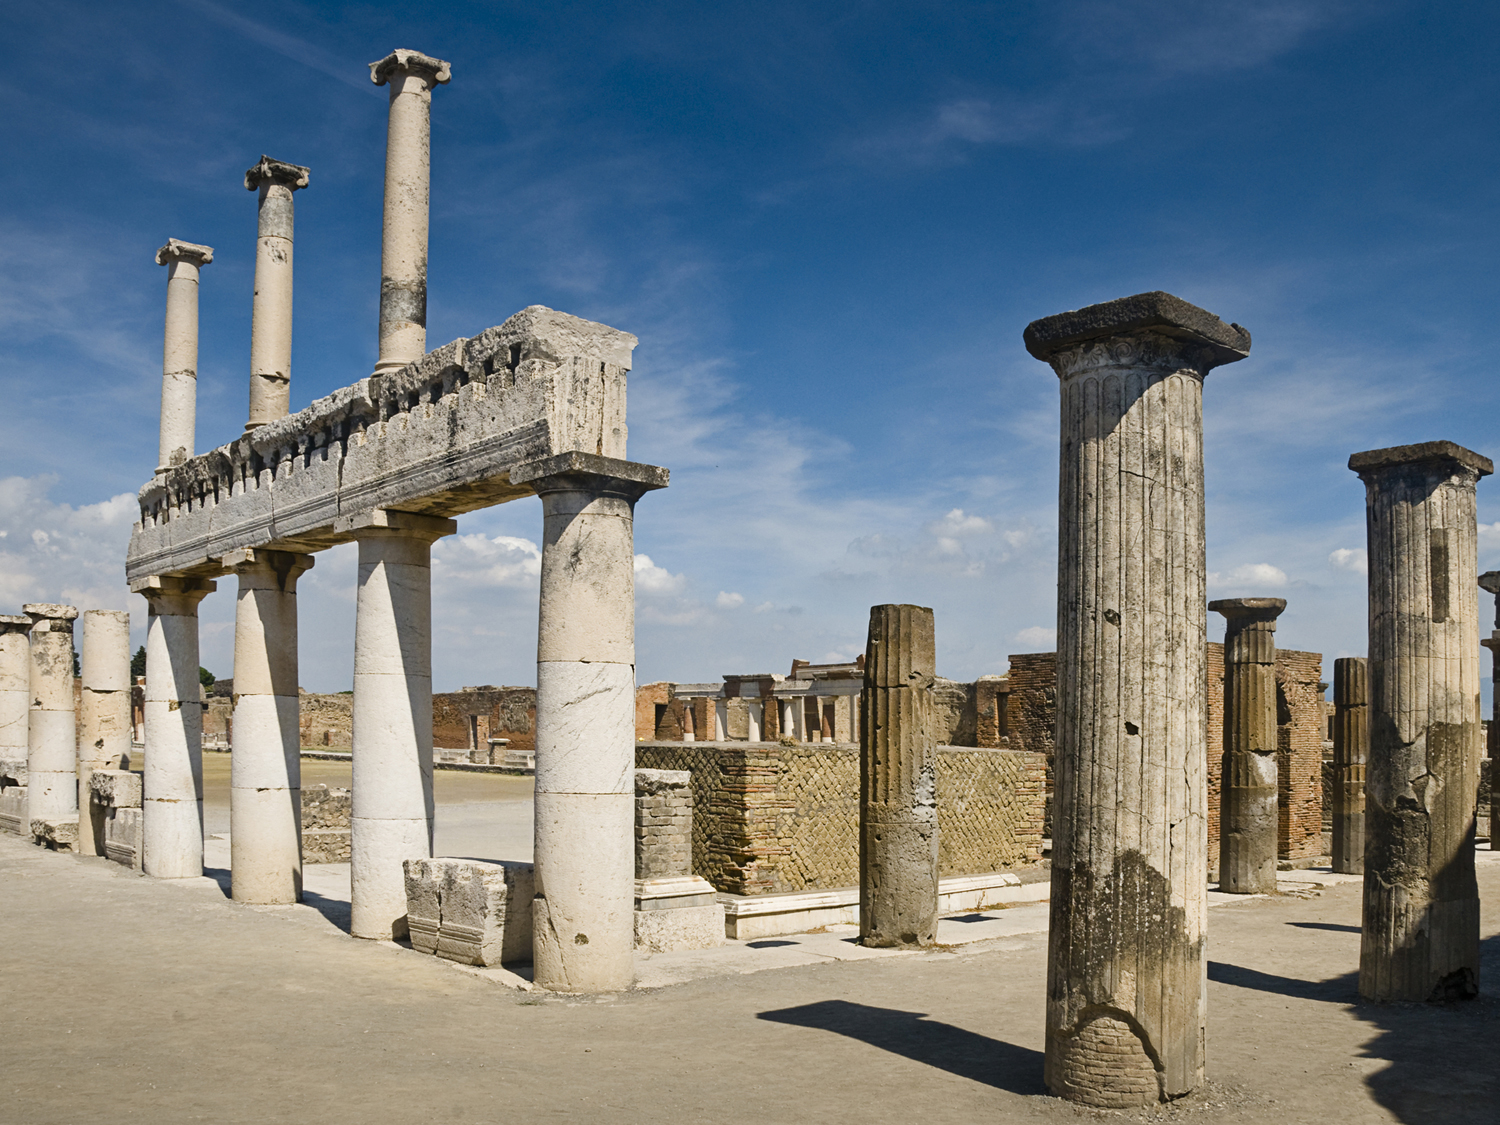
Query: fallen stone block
x=469, y=911
x=13, y=815
x=12, y=772
x=122, y=837
x=424, y=883
x=118, y=789
x=57, y=835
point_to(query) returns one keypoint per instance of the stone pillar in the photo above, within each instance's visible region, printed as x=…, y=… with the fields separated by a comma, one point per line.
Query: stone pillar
x=585, y=720
x=15, y=687
x=104, y=713
x=1420, y=930
x=179, y=363
x=172, y=788
x=1351, y=747
x=265, y=779
x=392, y=787
x=52, y=737
x=1126, y=998
x=1248, y=795
x=1490, y=582
x=898, y=831
x=412, y=77
x=271, y=315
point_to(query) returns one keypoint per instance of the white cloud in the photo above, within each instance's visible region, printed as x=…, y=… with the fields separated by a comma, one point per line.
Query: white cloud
x=654, y=579
x=1038, y=637
x=479, y=560
x=1260, y=575
x=729, y=600
x=1349, y=558
x=59, y=553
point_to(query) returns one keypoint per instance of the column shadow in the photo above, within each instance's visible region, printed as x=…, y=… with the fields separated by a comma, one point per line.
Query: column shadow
x=912, y=1035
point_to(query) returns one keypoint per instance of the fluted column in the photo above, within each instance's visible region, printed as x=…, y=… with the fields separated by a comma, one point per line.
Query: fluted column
x=1490, y=582
x=104, y=711
x=1351, y=749
x=898, y=829
x=265, y=780
x=412, y=77
x=1126, y=998
x=271, y=314
x=179, y=365
x=1420, y=932
x=52, y=791
x=15, y=687
x=1248, y=794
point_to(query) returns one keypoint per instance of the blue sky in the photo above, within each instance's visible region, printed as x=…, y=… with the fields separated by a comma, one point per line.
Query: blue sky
x=828, y=225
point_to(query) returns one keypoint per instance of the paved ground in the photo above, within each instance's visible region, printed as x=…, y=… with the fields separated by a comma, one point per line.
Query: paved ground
x=124, y=998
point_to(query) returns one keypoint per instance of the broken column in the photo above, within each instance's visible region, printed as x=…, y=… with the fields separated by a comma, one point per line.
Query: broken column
x=104, y=711
x=1248, y=795
x=1490, y=583
x=898, y=832
x=584, y=930
x=265, y=799
x=179, y=365
x=1126, y=1004
x=52, y=786
x=674, y=909
x=172, y=788
x=15, y=708
x=1351, y=745
x=412, y=77
x=271, y=315
x=1420, y=929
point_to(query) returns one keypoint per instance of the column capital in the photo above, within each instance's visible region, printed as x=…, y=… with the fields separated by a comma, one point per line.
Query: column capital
x=286, y=565
x=1149, y=329
x=49, y=617
x=413, y=524
x=1489, y=581
x=163, y=585
x=14, y=623
x=178, y=251
x=435, y=71
x=1248, y=611
x=1445, y=457
x=587, y=471
x=268, y=171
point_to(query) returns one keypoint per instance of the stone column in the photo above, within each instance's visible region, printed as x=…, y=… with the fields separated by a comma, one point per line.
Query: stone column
x=392, y=787
x=172, y=788
x=585, y=720
x=1248, y=798
x=52, y=722
x=1420, y=931
x=271, y=315
x=898, y=831
x=1351, y=746
x=1126, y=999
x=265, y=780
x=15, y=687
x=1490, y=582
x=104, y=713
x=179, y=364
x=412, y=77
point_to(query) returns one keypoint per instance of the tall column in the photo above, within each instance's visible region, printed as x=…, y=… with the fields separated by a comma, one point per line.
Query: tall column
x=52, y=740
x=104, y=711
x=898, y=829
x=1489, y=581
x=583, y=916
x=179, y=362
x=1420, y=930
x=265, y=778
x=1126, y=995
x=15, y=687
x=412, y=77
x=392, y=787
x=172, y=789
x=271, y=315
x=1351, y=748
x=1247, y=803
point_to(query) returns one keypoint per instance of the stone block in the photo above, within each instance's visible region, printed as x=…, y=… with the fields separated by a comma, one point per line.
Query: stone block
x=469, y=911
x=692, y=927
x=423, y=912
x=119, y=789
x=122, y=837
x=58, y=835
x=13, y=814
x=12, y=771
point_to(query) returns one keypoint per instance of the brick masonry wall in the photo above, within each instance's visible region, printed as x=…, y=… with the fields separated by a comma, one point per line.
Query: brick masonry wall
x=1031, y=713
x=511, y=712
x=663, y=824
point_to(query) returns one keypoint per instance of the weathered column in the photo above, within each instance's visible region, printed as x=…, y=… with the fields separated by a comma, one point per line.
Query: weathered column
x=104, y=711
x=1420, y=930
x=265, y=778
x=1351, y=748
x=15, y=687
x=172, y=788
x=1126, y=998
x=392, y=786
x=583, y=918
x=52, y=739
x=271, y=314
x=1247, y=801
x=1489, y=581
x=408, y=161
x=898, y=831
x=179, y=363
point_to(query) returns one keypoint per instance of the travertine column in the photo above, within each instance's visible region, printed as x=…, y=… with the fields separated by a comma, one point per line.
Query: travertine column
x=179, y=362
x=1126, y=971
x=392, y=787
x=1420, y=931
x=271, y=315
x=172, y=789
x=52, y=738
x=15, y=687
x=104, y=711
x=1351, y=749
x=584, y=934
x=265, y=780
x=403, y=247
x=1489, y=581
x=1247, y=801
x=898, y=830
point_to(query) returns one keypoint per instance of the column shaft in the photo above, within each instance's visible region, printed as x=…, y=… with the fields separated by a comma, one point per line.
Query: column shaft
x=179, y=368
x=104, y=711
x=15, y=687
x=52, y=791
x=271, y=316
x=1351, y=747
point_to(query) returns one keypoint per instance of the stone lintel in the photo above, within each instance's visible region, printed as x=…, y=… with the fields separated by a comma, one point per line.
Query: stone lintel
x=1251, y=609
x=178, y=251
x=1422, y=453
x=436, y=71
x=170, y=584
x=269, y=171
x=387, y=519
x=1490, y=581
x=589, y=470
x=51, y=612
x=1156, y=312
x=14, y=623
x=249, y=556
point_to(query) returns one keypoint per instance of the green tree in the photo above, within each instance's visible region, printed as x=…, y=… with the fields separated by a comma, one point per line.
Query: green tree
x=205, y=677
x=138, y=663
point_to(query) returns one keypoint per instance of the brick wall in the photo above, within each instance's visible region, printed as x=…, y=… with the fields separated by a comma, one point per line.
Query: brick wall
x=1031, y=713
x=505, y=712
x=663, y=824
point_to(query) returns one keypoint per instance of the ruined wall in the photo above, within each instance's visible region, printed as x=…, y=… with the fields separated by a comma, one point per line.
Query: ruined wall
x=648, y=697
x=327, y=721
x=1031, y=713
x=502, y=712
x=955, y=712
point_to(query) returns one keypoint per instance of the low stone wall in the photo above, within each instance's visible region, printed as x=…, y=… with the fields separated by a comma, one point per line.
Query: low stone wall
x=769, y=818
x=325, y=824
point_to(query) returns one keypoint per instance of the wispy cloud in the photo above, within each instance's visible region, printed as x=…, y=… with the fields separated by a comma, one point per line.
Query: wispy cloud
x=297, y=49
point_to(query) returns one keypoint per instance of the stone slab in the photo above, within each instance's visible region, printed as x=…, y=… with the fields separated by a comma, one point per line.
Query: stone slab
x=470, y=911
x=1155, y=311
x=690, y=927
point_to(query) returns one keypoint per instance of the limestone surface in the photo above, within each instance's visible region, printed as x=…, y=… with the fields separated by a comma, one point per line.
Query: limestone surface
x=271, y=314
x=469, y=911
x=1351, y=750
x=104, y=711
x=52, y=755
